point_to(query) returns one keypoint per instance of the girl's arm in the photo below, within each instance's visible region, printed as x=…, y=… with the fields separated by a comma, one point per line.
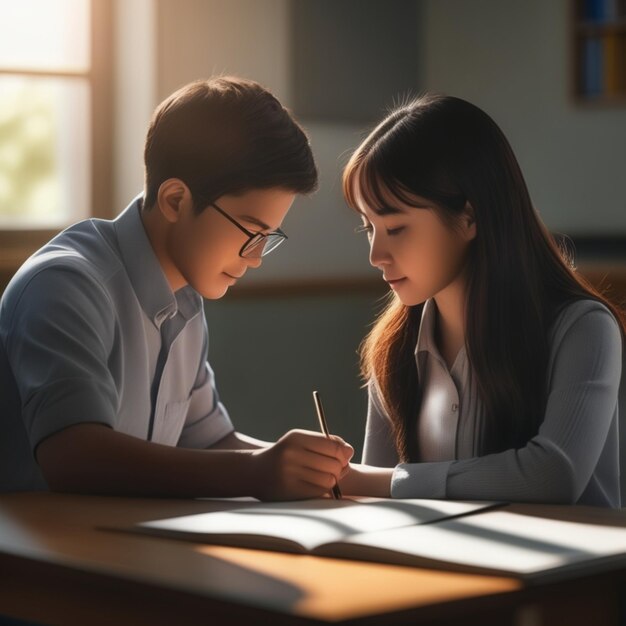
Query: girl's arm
x=379, y=448
x=579, y=427
x=373, y=477
x=366, y=480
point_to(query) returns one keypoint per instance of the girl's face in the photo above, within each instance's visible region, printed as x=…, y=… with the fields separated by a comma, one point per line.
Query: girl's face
x=418, y=254
x=203, y=249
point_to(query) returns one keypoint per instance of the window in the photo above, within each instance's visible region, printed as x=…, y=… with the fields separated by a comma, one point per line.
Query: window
x=55, y=120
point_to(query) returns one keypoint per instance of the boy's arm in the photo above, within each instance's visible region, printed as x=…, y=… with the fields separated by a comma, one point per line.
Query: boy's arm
x=239, y=441
x=92, y=458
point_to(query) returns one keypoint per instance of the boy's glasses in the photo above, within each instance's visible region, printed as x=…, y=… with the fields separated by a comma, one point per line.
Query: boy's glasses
x=258, y=244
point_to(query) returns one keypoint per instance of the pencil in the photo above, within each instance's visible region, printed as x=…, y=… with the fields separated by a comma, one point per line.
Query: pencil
x=324, y=427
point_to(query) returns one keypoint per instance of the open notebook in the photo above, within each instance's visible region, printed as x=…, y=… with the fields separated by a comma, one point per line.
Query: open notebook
x=532, y=544
x=532, y=547
x=307, y=526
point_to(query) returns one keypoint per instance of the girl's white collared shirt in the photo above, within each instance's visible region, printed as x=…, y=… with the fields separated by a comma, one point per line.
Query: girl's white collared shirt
x=448, y=423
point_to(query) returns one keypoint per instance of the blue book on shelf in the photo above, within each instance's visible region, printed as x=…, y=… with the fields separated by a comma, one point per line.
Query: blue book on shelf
x=593, y=67
x=600, y=10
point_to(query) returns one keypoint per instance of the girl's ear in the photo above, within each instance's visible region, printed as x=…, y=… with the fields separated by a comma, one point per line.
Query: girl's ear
x=468, y=222
x=173, y=198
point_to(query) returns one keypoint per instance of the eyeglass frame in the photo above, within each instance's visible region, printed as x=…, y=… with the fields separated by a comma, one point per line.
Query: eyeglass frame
x=251, y=235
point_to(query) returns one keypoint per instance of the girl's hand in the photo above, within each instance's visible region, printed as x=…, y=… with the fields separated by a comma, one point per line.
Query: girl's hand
x=366, y=480
x=301, y=464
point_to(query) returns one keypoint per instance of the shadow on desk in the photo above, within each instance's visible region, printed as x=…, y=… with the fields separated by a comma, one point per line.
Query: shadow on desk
x=70, y=549
x=8, y=621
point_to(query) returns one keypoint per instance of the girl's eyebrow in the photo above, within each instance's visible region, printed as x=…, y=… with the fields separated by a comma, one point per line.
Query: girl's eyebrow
x=389, y=210
x=386, y=210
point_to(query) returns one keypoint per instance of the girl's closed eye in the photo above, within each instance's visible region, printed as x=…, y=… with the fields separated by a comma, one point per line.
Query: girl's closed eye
x=367, y=228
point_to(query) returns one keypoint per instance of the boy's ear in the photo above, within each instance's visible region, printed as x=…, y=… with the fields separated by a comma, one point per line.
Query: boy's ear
x=468, y=222
x=173, y=198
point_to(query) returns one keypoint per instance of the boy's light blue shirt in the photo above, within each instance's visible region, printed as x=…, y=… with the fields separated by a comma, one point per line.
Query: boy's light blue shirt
x=90, y=331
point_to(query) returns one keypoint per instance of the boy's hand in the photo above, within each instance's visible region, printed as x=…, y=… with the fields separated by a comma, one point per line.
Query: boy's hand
x=301, y=464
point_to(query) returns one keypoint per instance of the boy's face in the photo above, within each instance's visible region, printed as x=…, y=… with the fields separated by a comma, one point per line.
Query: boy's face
x=202, y=250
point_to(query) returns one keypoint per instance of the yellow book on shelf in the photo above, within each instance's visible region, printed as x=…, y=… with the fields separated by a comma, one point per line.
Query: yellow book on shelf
x=621, y=66
x=611, y=63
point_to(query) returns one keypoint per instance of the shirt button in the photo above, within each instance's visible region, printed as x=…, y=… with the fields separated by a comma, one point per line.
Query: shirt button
x=455, y=408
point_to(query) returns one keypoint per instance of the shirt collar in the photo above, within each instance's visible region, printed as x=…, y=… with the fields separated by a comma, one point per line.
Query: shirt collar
x=146, y=275
x=426, y=337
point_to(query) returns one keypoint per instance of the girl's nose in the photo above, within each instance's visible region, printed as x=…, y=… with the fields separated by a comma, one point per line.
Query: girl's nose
x=379, y=255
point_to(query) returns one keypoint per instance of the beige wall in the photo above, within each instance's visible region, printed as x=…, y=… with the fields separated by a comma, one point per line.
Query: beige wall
x=135, y=93
x=199, y=38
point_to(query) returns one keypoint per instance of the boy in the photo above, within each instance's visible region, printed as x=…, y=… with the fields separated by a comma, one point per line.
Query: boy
x=104, y=384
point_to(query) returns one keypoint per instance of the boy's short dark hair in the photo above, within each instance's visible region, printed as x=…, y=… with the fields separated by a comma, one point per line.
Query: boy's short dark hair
x=222, y=136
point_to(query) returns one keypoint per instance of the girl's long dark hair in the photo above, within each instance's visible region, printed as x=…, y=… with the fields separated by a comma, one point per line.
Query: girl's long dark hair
x=450, y=152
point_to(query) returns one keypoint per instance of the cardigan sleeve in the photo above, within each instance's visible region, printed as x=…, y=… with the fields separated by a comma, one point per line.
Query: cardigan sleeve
x=379, y=448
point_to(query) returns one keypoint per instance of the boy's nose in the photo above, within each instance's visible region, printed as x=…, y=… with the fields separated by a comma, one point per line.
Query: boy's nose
x=254, y=262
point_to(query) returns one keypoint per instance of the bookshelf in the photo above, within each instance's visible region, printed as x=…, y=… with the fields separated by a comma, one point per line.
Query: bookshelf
x=599, y=32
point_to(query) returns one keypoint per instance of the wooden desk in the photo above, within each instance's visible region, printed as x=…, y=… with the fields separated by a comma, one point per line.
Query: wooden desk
x=56, y=566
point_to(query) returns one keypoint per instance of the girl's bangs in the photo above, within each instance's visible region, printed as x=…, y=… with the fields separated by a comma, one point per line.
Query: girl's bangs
x=373, y=183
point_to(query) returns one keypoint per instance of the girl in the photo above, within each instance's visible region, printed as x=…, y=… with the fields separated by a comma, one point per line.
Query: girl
x=494, y=370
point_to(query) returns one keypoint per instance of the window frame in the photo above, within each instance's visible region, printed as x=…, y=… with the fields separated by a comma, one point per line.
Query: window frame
x=16, y=245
